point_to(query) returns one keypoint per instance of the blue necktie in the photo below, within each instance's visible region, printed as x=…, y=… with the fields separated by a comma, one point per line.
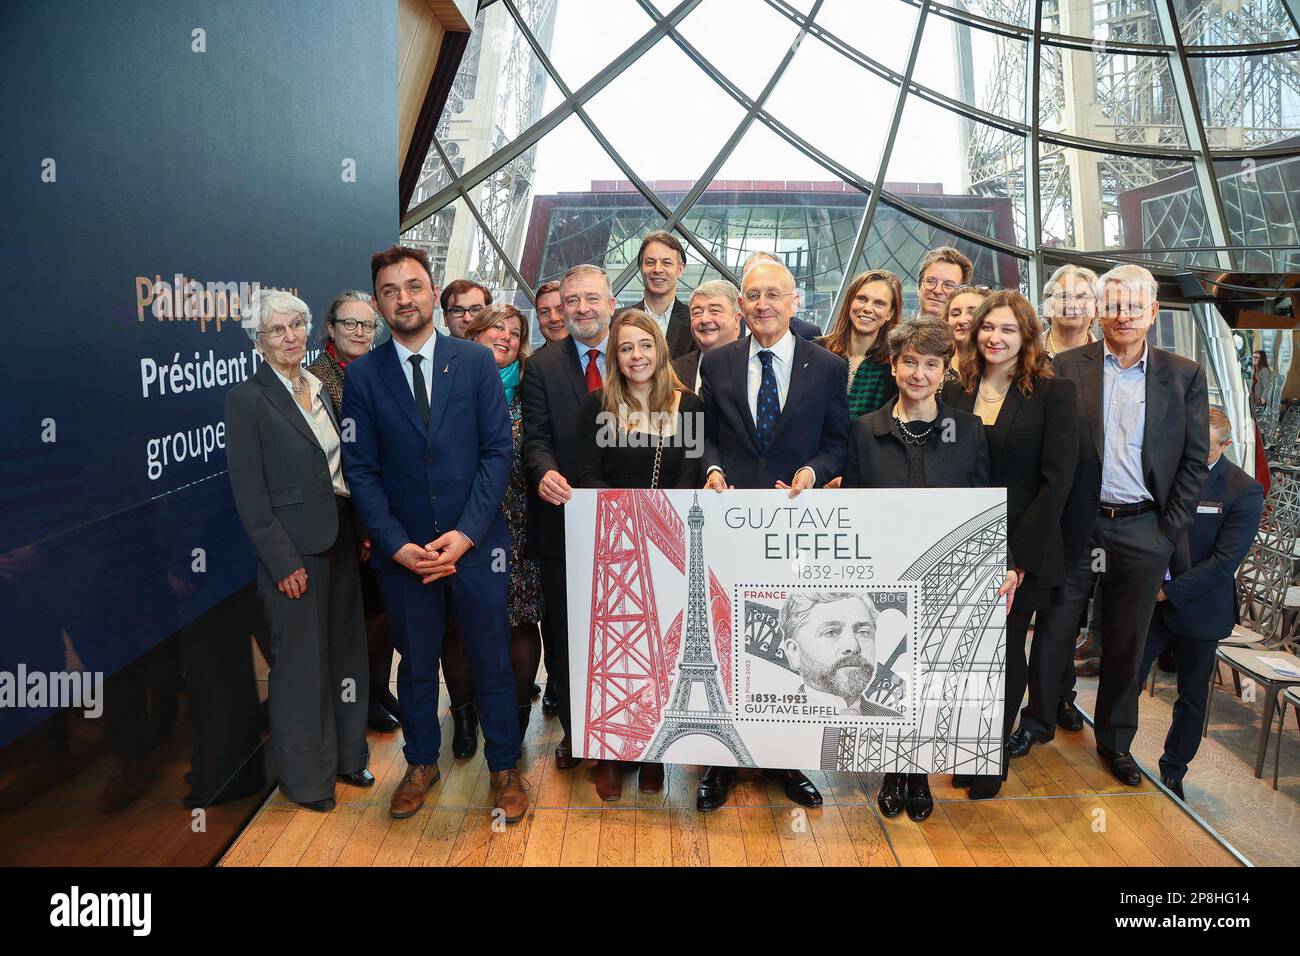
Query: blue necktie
x=769, y=401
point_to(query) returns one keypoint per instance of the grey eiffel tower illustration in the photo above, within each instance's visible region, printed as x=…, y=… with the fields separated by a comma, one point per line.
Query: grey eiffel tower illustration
x=698, y=678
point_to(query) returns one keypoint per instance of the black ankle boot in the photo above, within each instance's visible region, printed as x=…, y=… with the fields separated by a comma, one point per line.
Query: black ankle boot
x=525, y=711
x=464, y=738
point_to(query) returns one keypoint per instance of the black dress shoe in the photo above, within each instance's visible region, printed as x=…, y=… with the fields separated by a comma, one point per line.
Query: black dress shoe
x=893, y=794
x=1021, y=740
x=548, y=699
x=961, y=781
x=1174, y=786
x=320, y=806
x=797, y=787
x=382, y=721
x=1068, y=716
x=362, y=778
x=464, y=736
x=1122, y=766
x=715, y=787
x=537, y=689
x=920, y=804
x=985, y=786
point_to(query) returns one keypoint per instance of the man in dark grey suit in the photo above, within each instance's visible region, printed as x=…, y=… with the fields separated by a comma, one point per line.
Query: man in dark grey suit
x=1143, y=442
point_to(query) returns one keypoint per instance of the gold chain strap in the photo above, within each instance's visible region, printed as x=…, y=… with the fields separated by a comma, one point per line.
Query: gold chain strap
x=659, y=457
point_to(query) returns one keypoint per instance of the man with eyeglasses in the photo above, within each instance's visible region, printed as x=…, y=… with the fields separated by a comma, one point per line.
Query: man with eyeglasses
x=1143, y=446
x=943, y=270
x=462, y=301
x=776, y=415
x=558, y=378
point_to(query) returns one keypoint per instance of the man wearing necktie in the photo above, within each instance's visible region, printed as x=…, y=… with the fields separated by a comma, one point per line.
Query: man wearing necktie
x=776, y=415
x=557, y=380
x=428, y=462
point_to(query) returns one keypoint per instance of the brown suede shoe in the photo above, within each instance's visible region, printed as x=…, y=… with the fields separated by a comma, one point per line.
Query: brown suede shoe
x=564, y=759
x=409, y=795
x=509, y=785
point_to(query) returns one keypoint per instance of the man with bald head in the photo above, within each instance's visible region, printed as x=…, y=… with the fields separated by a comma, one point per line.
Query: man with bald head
x=776, y=415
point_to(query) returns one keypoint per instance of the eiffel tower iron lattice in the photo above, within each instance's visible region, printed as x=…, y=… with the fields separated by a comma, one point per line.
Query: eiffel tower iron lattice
x=698, y=677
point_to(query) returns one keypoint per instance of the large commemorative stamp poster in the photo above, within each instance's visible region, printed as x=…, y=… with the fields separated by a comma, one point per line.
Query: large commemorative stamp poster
x=839, y=630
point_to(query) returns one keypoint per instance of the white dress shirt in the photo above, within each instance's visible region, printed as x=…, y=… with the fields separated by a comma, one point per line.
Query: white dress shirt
x=600, y=359
x=782, y=363
x=662, y=319
x=322, y=426
x=426, y=366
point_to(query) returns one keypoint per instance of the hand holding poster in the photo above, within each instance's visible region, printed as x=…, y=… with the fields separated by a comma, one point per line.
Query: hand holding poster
x=840, y=630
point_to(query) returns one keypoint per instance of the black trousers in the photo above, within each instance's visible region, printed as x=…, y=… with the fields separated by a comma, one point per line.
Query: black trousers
x=1131, y=555
x=1194, y=661
x=320, y=679
x=555, y=634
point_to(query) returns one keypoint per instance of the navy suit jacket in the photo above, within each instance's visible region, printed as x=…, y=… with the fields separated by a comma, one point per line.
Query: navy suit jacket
x=411, y=483
x=812, y=430
x=1202, y=601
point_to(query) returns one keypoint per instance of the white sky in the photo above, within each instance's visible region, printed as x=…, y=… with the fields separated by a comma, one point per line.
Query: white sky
x=668, y=119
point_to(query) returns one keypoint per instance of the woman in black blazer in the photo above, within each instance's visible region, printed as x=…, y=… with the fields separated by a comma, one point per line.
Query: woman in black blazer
x=901, y=445
x=644, y=429
x=284, y=451
x=1032, y=423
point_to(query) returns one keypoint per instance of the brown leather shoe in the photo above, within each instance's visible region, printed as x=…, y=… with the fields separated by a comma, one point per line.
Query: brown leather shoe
x=609, y=780
x=1090, y=667
x=509, y=785
x=409, y=795
x=650, y=777
x=564, y=759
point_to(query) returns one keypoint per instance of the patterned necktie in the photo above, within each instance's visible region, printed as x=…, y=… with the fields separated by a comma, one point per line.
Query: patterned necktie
x=769, y=401
x=593, y=371
x=420, y=389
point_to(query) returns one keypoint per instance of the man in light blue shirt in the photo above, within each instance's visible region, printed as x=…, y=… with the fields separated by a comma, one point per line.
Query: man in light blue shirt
x=1143, y=441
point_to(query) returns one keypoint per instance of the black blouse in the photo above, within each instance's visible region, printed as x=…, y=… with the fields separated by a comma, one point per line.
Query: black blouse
x=622, y=464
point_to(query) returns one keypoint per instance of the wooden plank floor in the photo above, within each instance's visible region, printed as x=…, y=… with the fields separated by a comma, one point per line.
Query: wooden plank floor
x=1059, y=808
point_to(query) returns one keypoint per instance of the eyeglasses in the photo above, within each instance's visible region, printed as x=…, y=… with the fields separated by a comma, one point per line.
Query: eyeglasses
x=1059, y=296
x=367, y=325
x=932, y=283
x=458, y=311
x=277, y=332
x=770, y=295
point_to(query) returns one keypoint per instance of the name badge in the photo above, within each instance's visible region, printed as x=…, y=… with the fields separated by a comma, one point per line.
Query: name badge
x=1210, y=508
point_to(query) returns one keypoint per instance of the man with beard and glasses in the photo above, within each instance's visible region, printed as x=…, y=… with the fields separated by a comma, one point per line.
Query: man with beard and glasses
x=830, y=640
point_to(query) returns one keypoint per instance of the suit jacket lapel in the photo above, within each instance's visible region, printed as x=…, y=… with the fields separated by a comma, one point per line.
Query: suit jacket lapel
x=444, y=374
x=284, y=402
x=1157, y=398
x=1011, y=406
x=1091, y=391
x=395, y=379
x=576, y=374
x=739, y=362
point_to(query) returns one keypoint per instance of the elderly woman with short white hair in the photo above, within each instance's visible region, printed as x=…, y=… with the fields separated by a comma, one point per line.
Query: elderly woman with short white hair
x=283, y=451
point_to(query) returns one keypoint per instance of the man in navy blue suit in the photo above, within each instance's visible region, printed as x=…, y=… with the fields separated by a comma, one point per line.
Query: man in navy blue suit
x=1198, y=607
x=428, y=461
x=776, y=415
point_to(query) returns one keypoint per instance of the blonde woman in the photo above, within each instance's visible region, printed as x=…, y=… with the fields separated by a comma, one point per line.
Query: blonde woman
x=643, y=429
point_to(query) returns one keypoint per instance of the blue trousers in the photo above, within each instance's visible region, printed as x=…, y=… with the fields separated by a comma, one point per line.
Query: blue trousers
x=475, y=598
x=1193, y=661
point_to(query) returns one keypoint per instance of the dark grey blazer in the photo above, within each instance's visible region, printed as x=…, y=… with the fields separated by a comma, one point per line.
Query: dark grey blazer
x=1177, y=441
x=877, y=456
x=279, y=474
x=687, y=368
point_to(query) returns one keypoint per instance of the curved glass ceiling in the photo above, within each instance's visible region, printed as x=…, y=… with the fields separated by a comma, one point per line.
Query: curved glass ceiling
x=840, y=135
